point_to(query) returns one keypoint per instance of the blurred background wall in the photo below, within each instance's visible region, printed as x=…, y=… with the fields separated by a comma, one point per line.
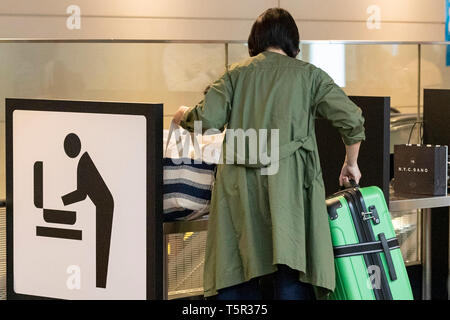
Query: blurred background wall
x=416, y=20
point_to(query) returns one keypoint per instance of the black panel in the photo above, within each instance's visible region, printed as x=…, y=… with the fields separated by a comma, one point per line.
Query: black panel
x=436, y=117
x=415, y=279
x=373, y=160
x=439, y=253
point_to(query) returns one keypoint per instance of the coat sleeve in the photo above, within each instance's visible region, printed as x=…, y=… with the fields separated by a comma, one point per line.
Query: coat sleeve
x=333, y=104
x=215, y=108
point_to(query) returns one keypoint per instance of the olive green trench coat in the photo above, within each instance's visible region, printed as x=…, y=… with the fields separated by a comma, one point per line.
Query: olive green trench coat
x=257, y=221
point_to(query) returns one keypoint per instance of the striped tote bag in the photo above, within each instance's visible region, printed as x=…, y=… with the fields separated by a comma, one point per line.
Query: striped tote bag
x=187, y=183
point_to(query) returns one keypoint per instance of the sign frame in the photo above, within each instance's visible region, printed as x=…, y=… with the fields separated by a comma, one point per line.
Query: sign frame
x=154, y=179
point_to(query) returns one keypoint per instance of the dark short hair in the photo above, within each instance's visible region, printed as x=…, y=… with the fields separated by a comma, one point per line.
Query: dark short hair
x=275, y=28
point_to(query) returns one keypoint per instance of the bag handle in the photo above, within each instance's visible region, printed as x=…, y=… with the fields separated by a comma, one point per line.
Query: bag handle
x=172, y=128
x=347, y=185
x=179, y=143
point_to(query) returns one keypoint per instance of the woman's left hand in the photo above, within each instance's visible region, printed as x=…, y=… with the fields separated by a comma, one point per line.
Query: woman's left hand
x=179, y=114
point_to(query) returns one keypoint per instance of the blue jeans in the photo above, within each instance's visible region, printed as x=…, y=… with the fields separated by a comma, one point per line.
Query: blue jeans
x=281, y=285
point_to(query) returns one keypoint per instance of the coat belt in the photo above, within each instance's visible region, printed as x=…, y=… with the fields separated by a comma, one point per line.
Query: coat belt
x=305, y=145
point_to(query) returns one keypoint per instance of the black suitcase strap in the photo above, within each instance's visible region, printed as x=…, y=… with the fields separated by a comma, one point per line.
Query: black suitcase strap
x=384, y=245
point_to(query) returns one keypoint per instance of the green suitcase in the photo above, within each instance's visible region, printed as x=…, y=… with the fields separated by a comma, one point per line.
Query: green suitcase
x=368, y=261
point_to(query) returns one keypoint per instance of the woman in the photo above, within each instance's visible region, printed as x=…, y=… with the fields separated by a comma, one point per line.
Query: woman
x=275, y=224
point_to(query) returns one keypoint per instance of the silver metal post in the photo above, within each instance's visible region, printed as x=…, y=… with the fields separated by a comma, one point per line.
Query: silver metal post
x=226, y=56
x=426, y=243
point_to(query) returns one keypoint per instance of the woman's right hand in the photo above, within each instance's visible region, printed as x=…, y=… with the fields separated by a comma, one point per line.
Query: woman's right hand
x=349, y=172
x=179, y=114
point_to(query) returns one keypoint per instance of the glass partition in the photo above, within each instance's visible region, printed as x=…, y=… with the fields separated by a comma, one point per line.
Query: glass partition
x=363, y=69
x=177, y=73
x=435, y=67
x=172, y=73
x=407, y=228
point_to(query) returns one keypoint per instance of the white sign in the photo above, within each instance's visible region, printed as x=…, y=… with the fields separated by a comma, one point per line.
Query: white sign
x=79, y=205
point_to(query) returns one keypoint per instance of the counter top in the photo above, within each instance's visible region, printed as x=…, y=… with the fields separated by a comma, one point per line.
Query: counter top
x=409, y=202
x=397, y=203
